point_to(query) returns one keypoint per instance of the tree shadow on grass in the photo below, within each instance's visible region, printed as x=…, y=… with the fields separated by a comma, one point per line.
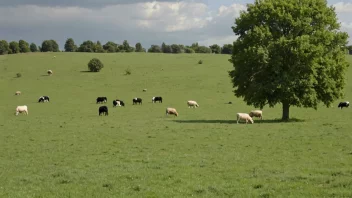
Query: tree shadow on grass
x=235, y=121
x=87, y=71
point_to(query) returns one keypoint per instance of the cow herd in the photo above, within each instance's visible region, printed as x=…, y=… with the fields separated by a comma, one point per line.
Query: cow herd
x=103, y=110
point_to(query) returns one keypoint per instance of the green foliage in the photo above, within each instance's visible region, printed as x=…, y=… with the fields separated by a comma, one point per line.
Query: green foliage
x=200, y=62
x=24, y=46
x=86, y=46
x=70, y=45
x=98, y=48
x=18, y=75
x=4, y=47
x=49, y=46
x=166, y=48
x=95, y=65
x=189, y=50
x=203, y=49
x=215, y=48
x=110, y=47
x=227, y=49
x=128, y=71
x=125, y=47
x=349, y=48
x=289, y=52
x=139, y=48
x=176, y=49
x=14, y=47
x=33, y=47
x=155, y=49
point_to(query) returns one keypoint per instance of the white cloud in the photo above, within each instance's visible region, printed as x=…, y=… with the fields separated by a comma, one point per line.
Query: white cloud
x=182, y=22
x=343, y=7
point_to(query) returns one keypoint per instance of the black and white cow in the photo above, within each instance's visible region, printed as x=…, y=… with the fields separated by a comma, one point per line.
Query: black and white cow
x=344, y=104
x=44, y=99
x=118, y=103
x=157, y=98
x=137, y=100
x=103, y=110
x=102, y=100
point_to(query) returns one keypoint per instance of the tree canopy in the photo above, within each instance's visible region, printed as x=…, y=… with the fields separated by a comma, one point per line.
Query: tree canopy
x=288, y=52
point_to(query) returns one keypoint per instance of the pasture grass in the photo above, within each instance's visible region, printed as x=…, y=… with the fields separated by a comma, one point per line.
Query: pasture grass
x=64, y=149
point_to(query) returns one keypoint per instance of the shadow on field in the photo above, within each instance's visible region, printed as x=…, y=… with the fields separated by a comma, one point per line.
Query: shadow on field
x=235, y=121
x=86, y=71
x=205, y=121
x=279, y=121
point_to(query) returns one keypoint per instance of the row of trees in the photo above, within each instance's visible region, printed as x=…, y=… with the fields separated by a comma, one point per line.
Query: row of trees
x=111, y=47
x=22, y=46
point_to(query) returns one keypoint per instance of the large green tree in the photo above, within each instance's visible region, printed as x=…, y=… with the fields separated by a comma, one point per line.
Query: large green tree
x=154, y=49
x=24, y=46
x=86, y=46
x=227, y=49
x=290, y=53
x=4, y=47
x=139, y=47
x=110, y=47
x=14, y=47
x=215, y=48
x=49, y=46
x=33, y=47
x=70, y=45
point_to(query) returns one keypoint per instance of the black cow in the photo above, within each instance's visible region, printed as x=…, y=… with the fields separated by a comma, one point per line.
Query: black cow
x=344, y=104
x=157, y=98
x=103, y=110
x=44, y=99
x=137, y=100
x=102, y=100
x=118, y=102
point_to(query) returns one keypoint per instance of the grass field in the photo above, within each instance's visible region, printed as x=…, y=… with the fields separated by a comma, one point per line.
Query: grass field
x=64, y=149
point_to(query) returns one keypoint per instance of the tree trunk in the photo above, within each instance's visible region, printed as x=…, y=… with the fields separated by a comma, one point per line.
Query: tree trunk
x=285, y=111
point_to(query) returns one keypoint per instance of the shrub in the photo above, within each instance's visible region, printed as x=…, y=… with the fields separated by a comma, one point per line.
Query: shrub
x=128, y=71
x=95, y=65
x=18, y=75
x=200, y=62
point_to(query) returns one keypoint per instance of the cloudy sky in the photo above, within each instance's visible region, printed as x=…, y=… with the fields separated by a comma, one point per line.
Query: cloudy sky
x=149, y=22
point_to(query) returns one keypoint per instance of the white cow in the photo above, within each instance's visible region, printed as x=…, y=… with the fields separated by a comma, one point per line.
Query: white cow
x=192, y=103
x=244, y=116
x=22, y=109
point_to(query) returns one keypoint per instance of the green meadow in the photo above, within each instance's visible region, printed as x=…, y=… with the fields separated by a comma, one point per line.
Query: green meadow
x=65, y=149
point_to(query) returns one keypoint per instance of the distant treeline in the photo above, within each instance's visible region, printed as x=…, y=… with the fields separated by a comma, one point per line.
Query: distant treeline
x=23, y=46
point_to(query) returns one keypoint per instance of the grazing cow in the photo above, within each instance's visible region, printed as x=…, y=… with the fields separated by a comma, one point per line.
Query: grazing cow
x=157, y=98
x=103, y=110
x=137, y=100
x=44, y=99
x=102, y=100
x=256, y=113
x=244, y=116
x=22, y=109
x=17, y=93
x=344, y=104
x=171, y=111
x=118, y=103
x=192, y=103
x=50, y=72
